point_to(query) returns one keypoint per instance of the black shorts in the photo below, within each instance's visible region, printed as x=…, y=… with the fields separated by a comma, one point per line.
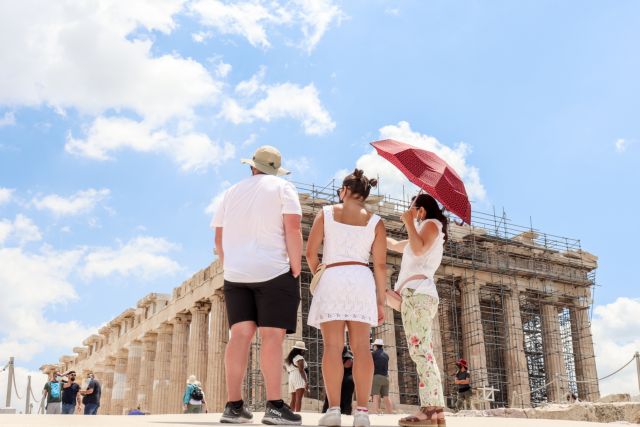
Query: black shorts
x=272, y=304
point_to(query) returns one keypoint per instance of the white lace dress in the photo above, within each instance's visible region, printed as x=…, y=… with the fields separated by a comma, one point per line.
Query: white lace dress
x=345, y=292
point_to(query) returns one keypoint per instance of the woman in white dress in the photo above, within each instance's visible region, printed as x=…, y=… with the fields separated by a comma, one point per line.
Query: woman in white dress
x=348, y=293
x=421, y=256
x=297, y=369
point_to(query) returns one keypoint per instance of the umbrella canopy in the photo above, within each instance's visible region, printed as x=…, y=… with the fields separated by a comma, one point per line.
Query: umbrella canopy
x=429, y=172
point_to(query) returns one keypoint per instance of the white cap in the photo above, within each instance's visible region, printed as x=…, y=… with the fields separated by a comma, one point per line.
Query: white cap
x=378, y=341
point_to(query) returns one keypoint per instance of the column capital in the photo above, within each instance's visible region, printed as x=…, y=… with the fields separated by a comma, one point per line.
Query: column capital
x=149, y=338
x=181, y=318
x=201, y=306
x=165, y=328
x=122, y=353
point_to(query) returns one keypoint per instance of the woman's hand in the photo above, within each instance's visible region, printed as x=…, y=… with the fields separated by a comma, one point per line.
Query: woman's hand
x=409, y=216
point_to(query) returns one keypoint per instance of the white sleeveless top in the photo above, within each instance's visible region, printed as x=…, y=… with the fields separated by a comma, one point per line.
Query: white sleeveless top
x=425, y=264
x=344, y=242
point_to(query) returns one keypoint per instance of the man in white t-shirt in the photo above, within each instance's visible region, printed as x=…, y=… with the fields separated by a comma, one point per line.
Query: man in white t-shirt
x=258, y=238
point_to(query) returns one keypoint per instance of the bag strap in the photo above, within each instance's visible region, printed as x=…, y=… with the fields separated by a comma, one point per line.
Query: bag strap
x=340, y=264
x=411, y=279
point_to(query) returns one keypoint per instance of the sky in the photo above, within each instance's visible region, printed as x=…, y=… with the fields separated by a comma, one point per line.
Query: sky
x=121, y=123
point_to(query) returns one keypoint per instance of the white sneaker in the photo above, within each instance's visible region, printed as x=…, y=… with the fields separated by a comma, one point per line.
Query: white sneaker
x=361, y=419
x=332, y=418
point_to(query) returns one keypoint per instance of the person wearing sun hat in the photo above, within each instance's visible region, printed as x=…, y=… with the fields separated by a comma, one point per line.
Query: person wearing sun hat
x=297, y=368
x=258, y=240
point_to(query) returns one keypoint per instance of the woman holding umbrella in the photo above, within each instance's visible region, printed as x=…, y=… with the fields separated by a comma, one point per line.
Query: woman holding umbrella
x=422, y=253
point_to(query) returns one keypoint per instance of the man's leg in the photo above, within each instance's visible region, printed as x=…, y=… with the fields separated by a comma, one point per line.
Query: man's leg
x=236, y=358
x=375, y=408
x=271, y=360
x=388, y=405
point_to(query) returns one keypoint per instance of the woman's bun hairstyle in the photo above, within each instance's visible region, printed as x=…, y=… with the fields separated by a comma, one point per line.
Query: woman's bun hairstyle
x=359, y=184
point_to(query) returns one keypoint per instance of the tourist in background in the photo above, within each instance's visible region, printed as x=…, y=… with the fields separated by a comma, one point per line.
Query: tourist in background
x=258, y=239
x=380, y=387
x=463, y=380
x=422, y=252
x=347, y=387
x=350, y=294
x=91, y=395
x=193, y=399
x=52, y=392
x=70, y=393
x=297, y=368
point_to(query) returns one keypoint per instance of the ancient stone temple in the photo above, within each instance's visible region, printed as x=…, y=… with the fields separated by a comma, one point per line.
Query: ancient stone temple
x=514, y=302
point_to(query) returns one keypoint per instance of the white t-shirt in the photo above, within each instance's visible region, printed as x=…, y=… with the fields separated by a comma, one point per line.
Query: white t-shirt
x=253, y=240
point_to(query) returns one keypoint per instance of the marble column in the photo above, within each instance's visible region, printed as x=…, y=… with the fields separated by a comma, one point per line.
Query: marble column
x=515, y=359
x=198, y=337
x=584, y=354
x=147, y=365
x=133, y=375
x=107, y=385
x=162, y=370
x=473, y=335
x=178, y=366
x=119, y=382
x=553, y=355
x=218, y=338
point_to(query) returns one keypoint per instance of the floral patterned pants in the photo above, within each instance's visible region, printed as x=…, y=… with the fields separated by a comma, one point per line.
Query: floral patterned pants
x=418, y=312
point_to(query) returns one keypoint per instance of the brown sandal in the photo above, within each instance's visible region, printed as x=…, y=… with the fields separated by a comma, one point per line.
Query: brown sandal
x=413, y=421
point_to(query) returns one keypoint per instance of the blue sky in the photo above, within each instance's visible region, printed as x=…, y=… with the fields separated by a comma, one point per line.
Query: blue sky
x=121, y=123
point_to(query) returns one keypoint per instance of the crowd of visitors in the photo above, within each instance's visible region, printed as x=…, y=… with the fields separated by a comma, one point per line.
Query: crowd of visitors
x=63, y=395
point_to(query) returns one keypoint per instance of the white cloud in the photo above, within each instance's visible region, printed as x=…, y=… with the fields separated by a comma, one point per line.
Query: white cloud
x=281, y=101
x=142, y=256
x=254, y=19
x=392, y=11
x=223, y=69
x=6, y=195
x=299, y=165
x=615, y=329
x=316, y=16
x=22, y=230
x=212, y=207
x=95, y=57
x=394, y=183
x=30, y=283
x=8, y=119
x=81, y=202
x=201, y=36
x=622, y=145
x=245, y=18
x=191, y=151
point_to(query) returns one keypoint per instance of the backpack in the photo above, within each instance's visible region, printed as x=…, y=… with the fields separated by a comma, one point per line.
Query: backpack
x=196, y=393
x=55, y=390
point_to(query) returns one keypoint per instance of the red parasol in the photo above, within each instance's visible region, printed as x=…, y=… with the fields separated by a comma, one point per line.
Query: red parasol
x=429, y=172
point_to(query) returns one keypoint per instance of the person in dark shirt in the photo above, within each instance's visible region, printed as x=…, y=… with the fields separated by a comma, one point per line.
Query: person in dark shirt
x=347, y=388
x=91, y=399
x=70, y=395
x=52, y=392
x=380, y=387
x=463, y=379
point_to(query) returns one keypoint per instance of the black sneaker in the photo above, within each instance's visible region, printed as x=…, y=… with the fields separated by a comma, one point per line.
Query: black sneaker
x=280, y=416
x=235, y=415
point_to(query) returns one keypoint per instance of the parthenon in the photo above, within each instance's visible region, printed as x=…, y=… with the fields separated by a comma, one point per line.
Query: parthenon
x=513, y=301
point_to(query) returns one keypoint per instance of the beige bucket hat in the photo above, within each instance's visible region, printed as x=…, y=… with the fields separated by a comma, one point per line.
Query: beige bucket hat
x=192, y=379
x=300, y=345
x=267, y=159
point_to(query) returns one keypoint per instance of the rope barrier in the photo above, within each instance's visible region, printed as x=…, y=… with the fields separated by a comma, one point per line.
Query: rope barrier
x=15, y=387
x=603, y=378
x=34, y=397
